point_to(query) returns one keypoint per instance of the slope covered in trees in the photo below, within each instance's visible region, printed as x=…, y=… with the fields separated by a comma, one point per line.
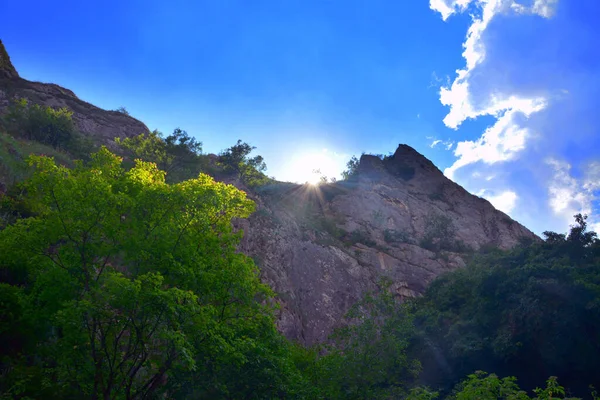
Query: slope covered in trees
x=117, y=283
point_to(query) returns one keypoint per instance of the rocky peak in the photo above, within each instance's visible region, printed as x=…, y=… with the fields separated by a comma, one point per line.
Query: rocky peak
x=7, y=70
x=104, y=126
x=399, y=218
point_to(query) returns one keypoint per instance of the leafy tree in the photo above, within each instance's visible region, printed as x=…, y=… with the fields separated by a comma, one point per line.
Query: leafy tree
x=122, y=110
x=178, y=154
x=132, y=288
x=352, y=168
x=369, y=357
x=249, y=169
x=532, y=312
x=148, y=147
x=43, y=124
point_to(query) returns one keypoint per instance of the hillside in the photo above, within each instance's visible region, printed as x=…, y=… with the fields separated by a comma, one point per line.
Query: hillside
x=322, y=248
x=102, y=125
x=147, y=269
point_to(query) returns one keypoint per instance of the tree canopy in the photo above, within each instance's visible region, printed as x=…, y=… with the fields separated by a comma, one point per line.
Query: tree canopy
x=122, y=286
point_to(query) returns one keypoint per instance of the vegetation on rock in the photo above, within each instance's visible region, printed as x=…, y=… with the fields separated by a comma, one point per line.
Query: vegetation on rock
x=122, y=280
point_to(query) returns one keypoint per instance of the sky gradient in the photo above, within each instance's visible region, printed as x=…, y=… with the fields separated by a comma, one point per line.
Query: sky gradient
x=501, y=95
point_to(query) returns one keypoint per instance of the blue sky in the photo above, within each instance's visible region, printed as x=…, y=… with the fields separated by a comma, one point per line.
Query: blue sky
x=500, y=94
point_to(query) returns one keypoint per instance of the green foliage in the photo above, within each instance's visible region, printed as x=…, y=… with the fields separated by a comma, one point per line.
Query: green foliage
x=178, y=154
x=531, y=312
x=352, y=168
x=440, y=234
x=368, y=358
x=53, y=127
x=13, y=169
x=42, y=124
x=250, y=170
x=378, y=218
x=132, y=288
x=122, y=110
x=394, y=236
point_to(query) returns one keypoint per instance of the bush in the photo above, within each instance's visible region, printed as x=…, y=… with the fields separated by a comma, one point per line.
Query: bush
x=122, y=110
x=360, y=236
x=532, y=312
x=352, y=168
x=178, y=154
x=394, y=236
x=43, y=124
x=440, y=234
x=250, y=170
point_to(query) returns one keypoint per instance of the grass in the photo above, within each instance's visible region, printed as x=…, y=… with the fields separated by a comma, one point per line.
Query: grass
x=13, y=156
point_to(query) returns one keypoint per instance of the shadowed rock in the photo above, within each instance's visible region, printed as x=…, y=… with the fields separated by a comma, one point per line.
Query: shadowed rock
x=90, y=120
x=323, y=249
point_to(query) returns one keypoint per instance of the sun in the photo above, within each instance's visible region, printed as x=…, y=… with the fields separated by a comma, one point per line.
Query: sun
x=310, y=166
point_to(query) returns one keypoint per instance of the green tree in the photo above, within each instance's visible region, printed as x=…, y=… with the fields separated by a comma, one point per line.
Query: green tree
x=249, y=169
x=132, y=288
x=122, y=110
x=352, y=168
x=43, y=124
x=148, y=147
x=369, y=357
x=178, y=154
x=531, y=312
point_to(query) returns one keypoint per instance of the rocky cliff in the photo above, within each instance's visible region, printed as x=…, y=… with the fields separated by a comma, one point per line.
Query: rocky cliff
x=103, y=125
x=322, y=248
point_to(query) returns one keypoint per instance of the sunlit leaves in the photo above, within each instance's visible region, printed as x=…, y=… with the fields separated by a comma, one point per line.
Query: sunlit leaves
x=131, y=282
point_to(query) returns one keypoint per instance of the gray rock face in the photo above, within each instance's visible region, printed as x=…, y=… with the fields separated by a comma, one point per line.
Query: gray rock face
x=322, y=249
x=101, y=124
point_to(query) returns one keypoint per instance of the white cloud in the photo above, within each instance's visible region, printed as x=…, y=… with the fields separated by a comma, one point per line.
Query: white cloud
x=501, y=141
x=569, y=196
x=592, y=177
x=545, y=8
x=435, y=143
x=505, y=201
x=541, y=103
x=447, y=144
x=448, y=7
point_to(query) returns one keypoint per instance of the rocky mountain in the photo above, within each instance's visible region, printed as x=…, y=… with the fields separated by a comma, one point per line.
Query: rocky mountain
x=101, y=124
x=321, y=248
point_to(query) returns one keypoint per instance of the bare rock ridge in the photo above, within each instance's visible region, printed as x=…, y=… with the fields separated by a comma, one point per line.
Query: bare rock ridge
x=7, y=70
x=322, y=248
x=399, y=218
x=103, y=125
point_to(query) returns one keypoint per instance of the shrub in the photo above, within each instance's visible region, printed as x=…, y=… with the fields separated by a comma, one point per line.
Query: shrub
x=250, y=170
x=178, y=154
x=352, y=170
x=360, y=236
x=43, y=124
x=440, y=235
x=394, y=236
x=122, y=110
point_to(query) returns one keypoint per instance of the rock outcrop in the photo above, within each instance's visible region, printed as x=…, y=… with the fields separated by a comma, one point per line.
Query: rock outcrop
x=322, y=248
x=101, y=124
